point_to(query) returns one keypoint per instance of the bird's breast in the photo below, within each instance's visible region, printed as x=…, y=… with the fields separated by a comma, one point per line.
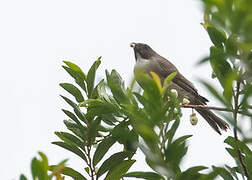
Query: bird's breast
x=142, y=66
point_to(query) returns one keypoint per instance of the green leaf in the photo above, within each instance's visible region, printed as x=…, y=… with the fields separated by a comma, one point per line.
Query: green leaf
x=70, y=102
x=232, y=152
x=71, y=148
x=203, y=60
x=98, y=107
x=100, y=91
x=116, y=86
x=223, y=173
x=117, y=172
x=112, y=161
x=216, y=36
x=93, y=130
x=232, y=171
x=248, y=161
x=150, y=87
x=221, y=67
x=73, y=90
x=91, y=76
x=75, y=68
x=182, y=139
x=216, y=94
x=76, y=109
x=71, y=172
x=191, y=173
x=145, y=175
x=238, y=144
x=44, y=161
x=72, y=116
x=102, y=149
x=174, y=153
x=231, y=45
x=70, y=139
x=172, y=130
x=168, y=79
x=79, y=78
x=77, y=129
x=22, y=177
x=37, y=169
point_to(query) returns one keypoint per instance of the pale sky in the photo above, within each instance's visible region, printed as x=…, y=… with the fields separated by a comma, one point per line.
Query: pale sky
x=36, y=36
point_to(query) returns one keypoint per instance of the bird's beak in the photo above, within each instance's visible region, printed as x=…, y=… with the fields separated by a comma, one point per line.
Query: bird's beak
x=132, y=45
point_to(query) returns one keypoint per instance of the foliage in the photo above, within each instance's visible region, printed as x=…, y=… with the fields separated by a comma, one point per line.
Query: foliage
x=40, y=169
x=228, y=24
x=106, y=113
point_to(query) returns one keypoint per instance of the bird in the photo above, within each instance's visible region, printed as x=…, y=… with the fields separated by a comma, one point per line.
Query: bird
x=147, y=61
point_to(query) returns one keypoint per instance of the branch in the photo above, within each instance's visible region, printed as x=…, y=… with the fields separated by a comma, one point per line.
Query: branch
x=235, y=112
x=213, y=108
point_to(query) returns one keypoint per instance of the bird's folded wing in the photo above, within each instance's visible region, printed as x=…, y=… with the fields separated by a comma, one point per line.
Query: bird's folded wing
x=168, y=68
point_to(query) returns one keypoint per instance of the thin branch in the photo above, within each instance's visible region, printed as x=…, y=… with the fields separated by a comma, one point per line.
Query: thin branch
x=90, y=163
x=213, y=108
x=235, y=113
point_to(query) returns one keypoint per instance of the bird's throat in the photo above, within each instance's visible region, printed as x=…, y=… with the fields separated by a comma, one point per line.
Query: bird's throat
x=142, y=65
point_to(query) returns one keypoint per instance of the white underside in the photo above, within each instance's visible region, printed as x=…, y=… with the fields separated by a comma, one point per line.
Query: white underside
x=141, y=63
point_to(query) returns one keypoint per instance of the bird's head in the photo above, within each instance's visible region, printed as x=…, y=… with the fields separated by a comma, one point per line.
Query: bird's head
x=142, y=51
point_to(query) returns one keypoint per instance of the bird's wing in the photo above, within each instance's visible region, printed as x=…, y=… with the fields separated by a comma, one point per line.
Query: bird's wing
x=168, y=68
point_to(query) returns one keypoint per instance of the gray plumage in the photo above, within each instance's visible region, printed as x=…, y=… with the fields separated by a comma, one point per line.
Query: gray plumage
x=148, y=60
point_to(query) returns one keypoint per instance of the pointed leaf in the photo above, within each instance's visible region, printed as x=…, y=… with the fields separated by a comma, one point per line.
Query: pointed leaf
x=80, y=131
x=157, y=80
x=78, y=77
x=93, y=130
x=37, y=169
x=22, y=177
x=71, y=172
x=102, y=149
x=191, y=173
x=70, y=139
x=216, y=94
x=145, y=175
x=221, y=67
x=112, y=161
x=73, y=90
x=70, y=102
x=71, y=148
x=72, y=116
x=182, y=139
x=91, y=76
x=117, y=172
x=217, y=37
x=116, y=85
x=172, y=130
x=168, y=79
x=76, y=109
x=203, y=60
x=223, y=173
x=75, y=68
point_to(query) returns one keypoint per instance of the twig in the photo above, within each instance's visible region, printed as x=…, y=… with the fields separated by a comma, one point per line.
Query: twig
x=235, y=113
x=90, y=162
x=213, y=108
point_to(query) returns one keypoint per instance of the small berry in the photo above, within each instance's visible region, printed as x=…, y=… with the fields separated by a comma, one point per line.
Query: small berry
x=185, y=101
x=174, y=92
x=193, y=119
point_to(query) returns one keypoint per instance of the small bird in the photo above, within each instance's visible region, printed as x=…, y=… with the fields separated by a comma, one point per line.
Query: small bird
x=147, y=60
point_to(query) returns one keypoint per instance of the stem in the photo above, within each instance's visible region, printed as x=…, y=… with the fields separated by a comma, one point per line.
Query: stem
x=92, y=171
x=235, y=113
x=214, y=108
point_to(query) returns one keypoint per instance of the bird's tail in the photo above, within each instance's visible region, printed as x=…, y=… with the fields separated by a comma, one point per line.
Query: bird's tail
x=214, y=121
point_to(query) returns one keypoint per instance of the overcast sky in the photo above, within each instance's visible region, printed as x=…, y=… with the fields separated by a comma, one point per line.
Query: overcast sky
x=36, y=36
